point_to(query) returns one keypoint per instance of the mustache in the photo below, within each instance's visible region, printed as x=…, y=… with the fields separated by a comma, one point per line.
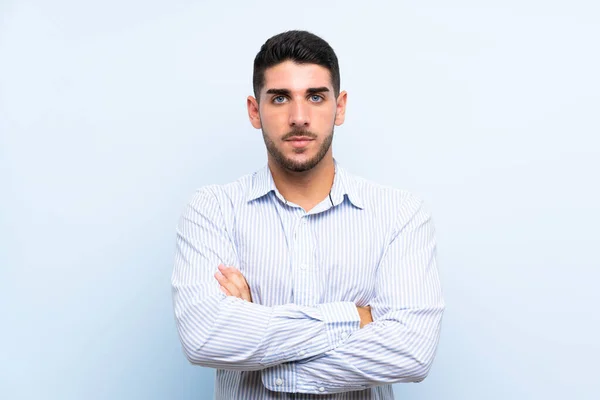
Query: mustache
x=299, y=133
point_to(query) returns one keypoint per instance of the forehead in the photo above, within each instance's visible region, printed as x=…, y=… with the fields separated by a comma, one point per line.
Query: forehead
x=296, y=77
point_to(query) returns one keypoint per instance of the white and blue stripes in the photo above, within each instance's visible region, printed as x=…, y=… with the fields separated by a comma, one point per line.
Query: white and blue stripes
x=307, y=271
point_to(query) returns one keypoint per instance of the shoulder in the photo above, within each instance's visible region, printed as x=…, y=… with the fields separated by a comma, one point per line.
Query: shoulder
x=397, y=206
x=376, y=195
x=220, y=195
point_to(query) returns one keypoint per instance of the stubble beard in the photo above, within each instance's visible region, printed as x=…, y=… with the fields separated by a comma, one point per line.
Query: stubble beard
x=292, y=165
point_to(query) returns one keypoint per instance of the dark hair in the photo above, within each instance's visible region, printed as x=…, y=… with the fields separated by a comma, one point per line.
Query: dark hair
x=301, y=47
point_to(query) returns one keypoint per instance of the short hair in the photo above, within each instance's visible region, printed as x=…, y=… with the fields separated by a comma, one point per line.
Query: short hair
x=301, y=47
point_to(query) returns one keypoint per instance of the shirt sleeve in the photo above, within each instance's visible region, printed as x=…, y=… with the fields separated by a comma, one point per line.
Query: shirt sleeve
x=400, y=345
x=225, y=332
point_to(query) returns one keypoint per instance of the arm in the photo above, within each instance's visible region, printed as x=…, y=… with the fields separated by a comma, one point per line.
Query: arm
x=220, y=331
x=233, y=283
x=399, y=346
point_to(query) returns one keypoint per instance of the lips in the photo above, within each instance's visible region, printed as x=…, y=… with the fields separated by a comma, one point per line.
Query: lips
x=300, y=141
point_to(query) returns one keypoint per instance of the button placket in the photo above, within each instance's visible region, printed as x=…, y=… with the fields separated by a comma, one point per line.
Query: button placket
x=303, y=257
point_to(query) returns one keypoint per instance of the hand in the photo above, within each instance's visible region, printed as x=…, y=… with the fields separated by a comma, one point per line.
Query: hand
x=365, y=315
x=233, y=283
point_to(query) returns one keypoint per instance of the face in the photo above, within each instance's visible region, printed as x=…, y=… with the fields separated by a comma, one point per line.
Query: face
x=297, y=112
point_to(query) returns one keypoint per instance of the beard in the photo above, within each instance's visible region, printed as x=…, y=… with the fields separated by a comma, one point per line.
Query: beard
x=293, y=165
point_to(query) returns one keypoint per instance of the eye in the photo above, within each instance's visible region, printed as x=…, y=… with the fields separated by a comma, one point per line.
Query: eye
x=315, y=98
x=279, y=99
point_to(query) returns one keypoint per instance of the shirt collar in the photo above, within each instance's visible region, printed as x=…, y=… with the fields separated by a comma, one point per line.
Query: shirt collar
x=344, y=184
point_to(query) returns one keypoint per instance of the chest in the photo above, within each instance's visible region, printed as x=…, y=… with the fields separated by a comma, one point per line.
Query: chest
x=310, y=259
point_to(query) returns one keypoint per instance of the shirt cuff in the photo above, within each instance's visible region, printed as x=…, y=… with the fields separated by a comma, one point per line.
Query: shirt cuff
x=341, y=320
x=280, y=378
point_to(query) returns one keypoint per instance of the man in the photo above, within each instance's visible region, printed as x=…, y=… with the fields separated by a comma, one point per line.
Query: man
x=301, y=278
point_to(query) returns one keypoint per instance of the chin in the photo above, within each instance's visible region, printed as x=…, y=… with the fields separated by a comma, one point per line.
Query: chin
x=302, y=164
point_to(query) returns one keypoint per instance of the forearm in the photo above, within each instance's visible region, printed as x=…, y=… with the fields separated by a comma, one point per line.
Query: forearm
x=225, y=332
x=400, y=348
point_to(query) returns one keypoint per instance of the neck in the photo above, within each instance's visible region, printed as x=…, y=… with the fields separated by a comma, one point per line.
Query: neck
x=308, y=188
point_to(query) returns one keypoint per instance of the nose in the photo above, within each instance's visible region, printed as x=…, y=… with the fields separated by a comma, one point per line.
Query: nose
x=299, y=115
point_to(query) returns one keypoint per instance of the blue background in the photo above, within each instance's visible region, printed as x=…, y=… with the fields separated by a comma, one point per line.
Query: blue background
x=112, y=113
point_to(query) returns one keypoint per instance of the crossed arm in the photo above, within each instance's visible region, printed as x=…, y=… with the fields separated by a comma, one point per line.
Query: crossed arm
x=233, y=283
x=220, y=327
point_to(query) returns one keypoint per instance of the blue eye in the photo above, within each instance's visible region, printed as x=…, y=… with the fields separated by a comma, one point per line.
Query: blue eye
x=279, y=99
x=316, y=98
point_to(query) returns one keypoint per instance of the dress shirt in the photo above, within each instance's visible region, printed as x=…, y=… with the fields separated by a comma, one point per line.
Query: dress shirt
x=364, y=244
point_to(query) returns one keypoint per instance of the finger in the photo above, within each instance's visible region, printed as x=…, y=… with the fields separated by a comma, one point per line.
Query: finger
x=230, y=282
x=245, y=293
x=234, y=275
x=227, y=284
x=228, y=270
x=227, y=293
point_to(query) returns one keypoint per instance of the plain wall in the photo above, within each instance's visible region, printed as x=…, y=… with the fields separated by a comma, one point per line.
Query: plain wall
x=112, y=113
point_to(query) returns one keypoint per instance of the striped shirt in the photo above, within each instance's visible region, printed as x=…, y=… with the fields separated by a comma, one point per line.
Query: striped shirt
x=364, y=244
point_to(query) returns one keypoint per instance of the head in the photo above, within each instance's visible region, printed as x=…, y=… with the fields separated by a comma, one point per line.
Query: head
x=296, y=95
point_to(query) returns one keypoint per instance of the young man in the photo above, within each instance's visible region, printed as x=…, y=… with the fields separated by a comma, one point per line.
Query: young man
x=302, y=278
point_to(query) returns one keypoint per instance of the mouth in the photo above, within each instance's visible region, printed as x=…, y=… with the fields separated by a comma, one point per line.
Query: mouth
x=301, y=141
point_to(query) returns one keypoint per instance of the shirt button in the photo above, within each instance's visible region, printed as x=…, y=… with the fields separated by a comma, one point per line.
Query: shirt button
x=302, y=353
x=304, y=267
x=279, y=382
x=344, y=335
x=321, y=389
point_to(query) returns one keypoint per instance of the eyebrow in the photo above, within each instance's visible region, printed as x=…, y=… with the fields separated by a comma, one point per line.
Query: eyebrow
x=286, y=92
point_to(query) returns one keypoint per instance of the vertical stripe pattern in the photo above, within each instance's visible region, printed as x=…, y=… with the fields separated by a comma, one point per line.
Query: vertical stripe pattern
x=300, y=338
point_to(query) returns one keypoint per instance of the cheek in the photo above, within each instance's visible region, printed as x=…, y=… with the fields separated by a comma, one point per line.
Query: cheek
x=274, y=120
x=323, y=117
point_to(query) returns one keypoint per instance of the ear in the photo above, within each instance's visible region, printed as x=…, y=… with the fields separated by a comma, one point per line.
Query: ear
x=253, y=112
x=340, y=110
